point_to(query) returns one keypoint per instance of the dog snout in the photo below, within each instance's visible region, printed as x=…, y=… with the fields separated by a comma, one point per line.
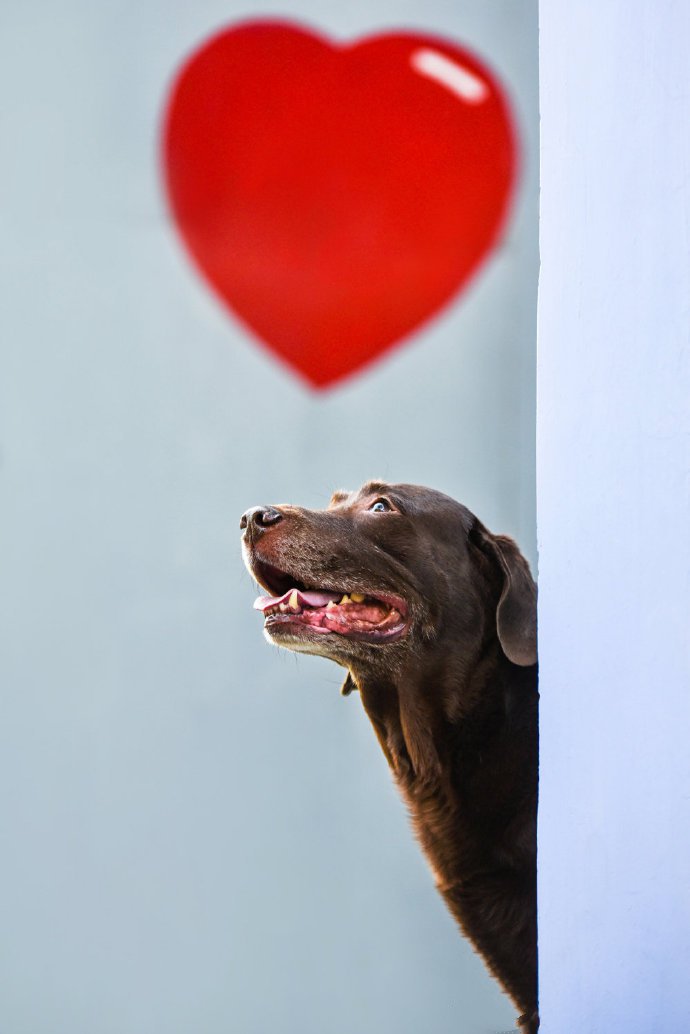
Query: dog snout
x=258, y=518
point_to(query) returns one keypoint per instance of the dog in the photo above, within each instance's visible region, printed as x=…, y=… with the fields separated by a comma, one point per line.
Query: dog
x=434, y=618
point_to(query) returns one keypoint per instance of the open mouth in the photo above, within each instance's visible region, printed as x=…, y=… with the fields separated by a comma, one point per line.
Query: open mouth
x=362, y=615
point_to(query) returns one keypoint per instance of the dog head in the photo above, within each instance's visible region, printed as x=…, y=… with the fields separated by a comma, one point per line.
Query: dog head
x=386, y=573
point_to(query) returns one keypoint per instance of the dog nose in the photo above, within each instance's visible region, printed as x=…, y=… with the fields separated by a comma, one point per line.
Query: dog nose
x=259, y=517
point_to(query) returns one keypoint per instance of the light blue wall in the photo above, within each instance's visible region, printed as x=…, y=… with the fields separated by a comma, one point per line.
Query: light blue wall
x=198, y=833
x=614, y=518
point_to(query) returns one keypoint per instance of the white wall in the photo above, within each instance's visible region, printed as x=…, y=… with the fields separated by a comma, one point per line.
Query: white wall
x=614, y=517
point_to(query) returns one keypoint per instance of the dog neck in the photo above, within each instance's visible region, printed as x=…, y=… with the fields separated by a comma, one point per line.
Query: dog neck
x=418, y=710
x=458, y=746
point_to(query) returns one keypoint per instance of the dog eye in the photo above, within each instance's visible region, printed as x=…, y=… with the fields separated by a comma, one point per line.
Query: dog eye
x=380, y=506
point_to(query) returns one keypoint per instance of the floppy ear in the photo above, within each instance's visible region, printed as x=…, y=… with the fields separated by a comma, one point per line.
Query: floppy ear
x=516, y=613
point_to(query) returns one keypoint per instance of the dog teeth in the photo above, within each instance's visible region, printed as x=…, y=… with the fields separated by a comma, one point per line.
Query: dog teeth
x=330, y=605
x=357, y=597
x=283, y=608
x=293, y=602
x=345, y=599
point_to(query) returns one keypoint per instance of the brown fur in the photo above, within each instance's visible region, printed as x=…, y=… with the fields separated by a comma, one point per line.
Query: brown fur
x=453, y=703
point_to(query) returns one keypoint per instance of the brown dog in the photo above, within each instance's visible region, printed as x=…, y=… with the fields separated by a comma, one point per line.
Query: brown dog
x=435, y=619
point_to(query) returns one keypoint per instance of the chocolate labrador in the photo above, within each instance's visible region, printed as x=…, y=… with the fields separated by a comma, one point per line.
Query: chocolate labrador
x=434, y=619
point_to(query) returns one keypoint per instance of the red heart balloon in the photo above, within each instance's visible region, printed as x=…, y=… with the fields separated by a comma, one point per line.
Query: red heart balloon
x=336, y=196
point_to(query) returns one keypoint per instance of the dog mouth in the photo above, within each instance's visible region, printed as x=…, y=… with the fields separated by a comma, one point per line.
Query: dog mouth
x=355, y=613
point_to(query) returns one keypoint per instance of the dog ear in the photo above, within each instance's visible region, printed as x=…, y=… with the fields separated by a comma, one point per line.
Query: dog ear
x=348, y=685
x=516, y=613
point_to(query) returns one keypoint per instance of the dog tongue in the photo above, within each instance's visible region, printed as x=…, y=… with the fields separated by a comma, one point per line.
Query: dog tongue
x=312, y=599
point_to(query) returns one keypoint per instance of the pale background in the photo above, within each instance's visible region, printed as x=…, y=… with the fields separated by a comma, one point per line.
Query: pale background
x=614, y=519
x=198, y=833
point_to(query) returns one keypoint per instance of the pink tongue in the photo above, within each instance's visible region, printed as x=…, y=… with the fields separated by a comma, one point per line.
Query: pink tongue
x=312, y=599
